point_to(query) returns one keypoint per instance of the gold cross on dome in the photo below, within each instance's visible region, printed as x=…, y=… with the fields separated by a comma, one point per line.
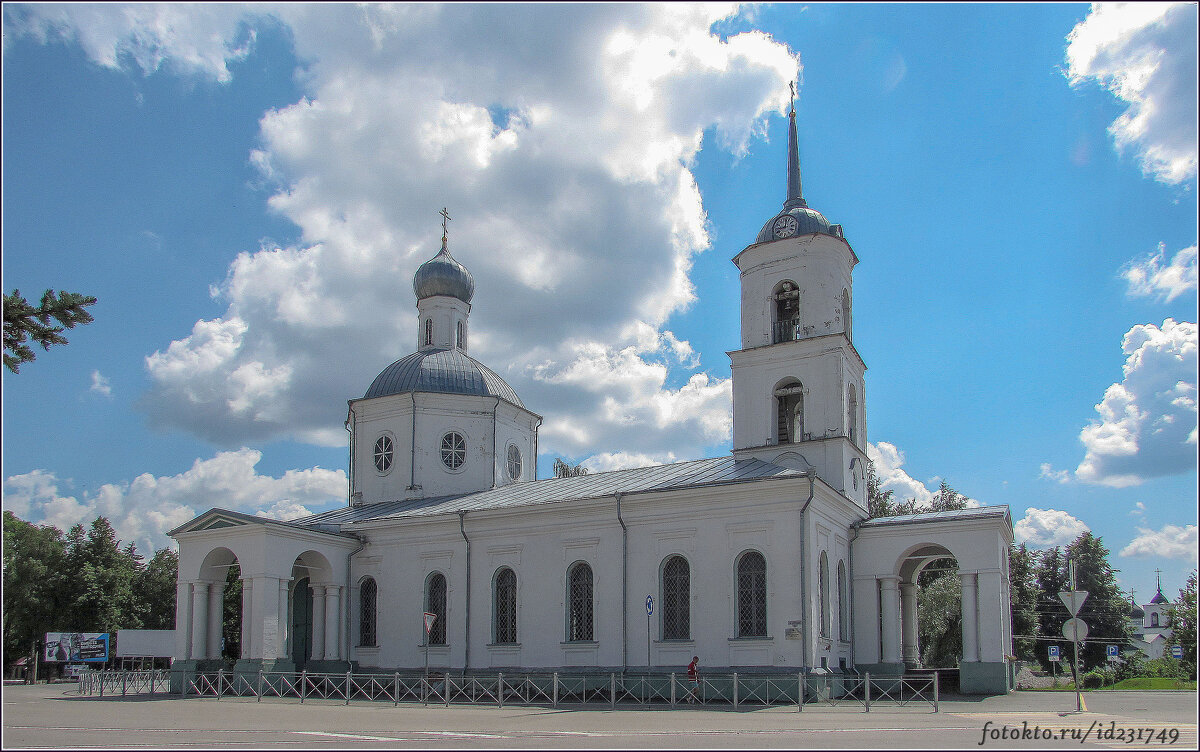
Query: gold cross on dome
x=445, y=218
x=792, y=86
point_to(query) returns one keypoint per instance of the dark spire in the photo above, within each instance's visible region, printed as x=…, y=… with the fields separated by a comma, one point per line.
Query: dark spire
x=795, y=195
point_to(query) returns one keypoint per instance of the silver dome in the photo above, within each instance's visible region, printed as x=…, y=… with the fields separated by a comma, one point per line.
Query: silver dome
x=443, y=371
x=809, y=222
x=442, y=275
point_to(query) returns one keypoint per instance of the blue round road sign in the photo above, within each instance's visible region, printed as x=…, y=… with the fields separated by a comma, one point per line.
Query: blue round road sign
x=649, y=605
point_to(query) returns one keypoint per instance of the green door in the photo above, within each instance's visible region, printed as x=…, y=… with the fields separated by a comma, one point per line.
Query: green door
x=301, y=623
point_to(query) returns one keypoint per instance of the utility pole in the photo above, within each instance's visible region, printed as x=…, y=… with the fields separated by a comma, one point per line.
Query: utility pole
x=1075, y=643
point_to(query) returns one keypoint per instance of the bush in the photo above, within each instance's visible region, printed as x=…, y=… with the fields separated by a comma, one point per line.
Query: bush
x=1167, y=668
x=1093, y=680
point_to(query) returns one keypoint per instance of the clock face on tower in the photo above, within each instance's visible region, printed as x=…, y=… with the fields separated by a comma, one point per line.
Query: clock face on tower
x=785, y=226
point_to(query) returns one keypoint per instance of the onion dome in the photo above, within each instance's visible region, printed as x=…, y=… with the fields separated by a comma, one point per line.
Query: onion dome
x=444, y=371
x=1135, y=611
x=1159, y=598
x=443, y=275
x=796, y=218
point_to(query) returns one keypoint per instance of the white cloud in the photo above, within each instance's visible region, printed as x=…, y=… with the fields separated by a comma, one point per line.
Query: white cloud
x=1047, y=527
x=888, y=461
x=1139, y=509
x=144, y=510
x=600, y=463
x=567, y=174
x=1150, y=278
x=1145, y=54
x=100, y=384
x=1147, y=425
x=1172, y=542
x=1058, y=476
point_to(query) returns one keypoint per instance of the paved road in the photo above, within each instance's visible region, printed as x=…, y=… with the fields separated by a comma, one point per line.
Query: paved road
x=53, y=716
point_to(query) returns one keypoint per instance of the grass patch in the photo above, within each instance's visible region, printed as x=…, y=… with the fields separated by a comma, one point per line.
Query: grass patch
x=1145, y=682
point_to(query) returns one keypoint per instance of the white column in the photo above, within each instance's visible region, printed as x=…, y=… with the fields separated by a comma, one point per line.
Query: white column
x=970, y=624
x=216, y=618
x=199, y=619
x=284, y=622
x=183, y=620
x=865, y=621
x=908, y=623
x=890, y=602
x=318, y=622
x=333, y=611
x=247, y=618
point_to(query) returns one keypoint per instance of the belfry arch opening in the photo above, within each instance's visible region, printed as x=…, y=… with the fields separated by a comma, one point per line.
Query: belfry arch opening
x=931, y=616
x=789, y=410
x=785, y=300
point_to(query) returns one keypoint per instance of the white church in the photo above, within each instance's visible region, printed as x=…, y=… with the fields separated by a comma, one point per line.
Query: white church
x=760, y=561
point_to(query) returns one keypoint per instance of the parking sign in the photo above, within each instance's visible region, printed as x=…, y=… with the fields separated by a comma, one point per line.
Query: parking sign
x=1114, y=653
x=1054, y=655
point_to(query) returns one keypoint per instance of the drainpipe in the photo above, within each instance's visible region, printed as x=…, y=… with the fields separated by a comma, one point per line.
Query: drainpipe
x=850, y=584
x=624, y=588
x=495, y=438
x=362, y=544
x=350, y=466
x=804, y=613
x=412, y=446
x=462, y=516
x=535, y=448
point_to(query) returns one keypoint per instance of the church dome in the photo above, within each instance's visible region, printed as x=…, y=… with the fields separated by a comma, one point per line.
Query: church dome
x=1159, y=597
x=808, y=222
x=443, y=275
x=1135, y=611
x=445, y=371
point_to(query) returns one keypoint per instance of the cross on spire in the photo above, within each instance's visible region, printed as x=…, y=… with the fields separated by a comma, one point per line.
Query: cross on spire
x=445, y=218
x=792, y=87
x=1158, y=574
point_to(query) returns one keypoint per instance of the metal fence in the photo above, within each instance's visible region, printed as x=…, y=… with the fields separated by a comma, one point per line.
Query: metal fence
x=735, y=690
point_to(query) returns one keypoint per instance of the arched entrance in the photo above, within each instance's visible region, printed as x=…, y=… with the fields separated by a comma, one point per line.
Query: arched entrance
x=930, y=609
x=302, y=623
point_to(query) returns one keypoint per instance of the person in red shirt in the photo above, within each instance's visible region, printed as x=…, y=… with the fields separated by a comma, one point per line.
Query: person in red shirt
x=693, y=679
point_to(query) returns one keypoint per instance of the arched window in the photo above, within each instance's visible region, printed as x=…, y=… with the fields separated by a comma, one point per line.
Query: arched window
x=428, y=331
x=789, y=402
x=676, y=599
x=367, y=591
x=752, y=595
x=824, y=590
x=786, y=298
x=504, y=620
x=843, y=604
x=846, y=312
x=852, y=415
x=579, y=610
x=460, y=335
x=435, y=603
x=1154, y=619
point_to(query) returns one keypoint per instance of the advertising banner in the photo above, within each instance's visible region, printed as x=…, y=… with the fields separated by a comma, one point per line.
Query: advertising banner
x=66, y=647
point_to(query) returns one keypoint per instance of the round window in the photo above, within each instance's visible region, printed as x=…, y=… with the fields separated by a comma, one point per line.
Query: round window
x=454, y=450
x=383, y=454
x=514, y=462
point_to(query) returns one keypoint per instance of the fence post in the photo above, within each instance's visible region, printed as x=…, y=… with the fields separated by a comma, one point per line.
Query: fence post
x=396, y=689
x=612, y=690
x=867, y=689
x=446, y=687
x=672, y=689
x=800, y=693
x=303, y=685
x=260, y=679
x=220, y=681
x=935, y=691
x=348, y=687
x=735, y=690
x=500, y=691
x=556, y=689
x=124, y=678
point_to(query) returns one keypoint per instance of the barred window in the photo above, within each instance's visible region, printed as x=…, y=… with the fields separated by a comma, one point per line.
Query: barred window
x=383, y=453
x=454, y=450
x=579, y=617
x=824, y=588
x=843, y=604
x=428, y=331
x=752, y=595
x=676, y=599
x=435, y=603
x=366, y=612
x=461, y=341
x=514, y=462
x=505, y=601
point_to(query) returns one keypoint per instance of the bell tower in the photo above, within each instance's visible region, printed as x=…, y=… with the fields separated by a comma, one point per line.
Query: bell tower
x=798, y=390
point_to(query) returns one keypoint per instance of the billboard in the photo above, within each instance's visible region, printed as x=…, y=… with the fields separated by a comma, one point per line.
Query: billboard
x=76, y=646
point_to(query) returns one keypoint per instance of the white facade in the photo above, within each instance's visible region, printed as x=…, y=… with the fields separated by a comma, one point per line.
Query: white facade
x=1151, y=626
x=761, y=560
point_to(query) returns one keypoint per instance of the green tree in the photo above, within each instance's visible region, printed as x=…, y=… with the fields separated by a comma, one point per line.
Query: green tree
x=102, y=598
x=34, y=582
x=231, y=621
x=882, y=503
x=563, y=470
x=1105, y=611
x=1183, y=624
x=939, y=617
x=22, y=321
x=154, y=590
x=947, y=499
x=1051, y=613
x=1023, y=596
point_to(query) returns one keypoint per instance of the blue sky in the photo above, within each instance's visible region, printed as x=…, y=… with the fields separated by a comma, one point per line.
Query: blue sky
x=248, y=190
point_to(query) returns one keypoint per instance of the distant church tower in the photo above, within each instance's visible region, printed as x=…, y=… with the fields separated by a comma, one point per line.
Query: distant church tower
x=798, y=396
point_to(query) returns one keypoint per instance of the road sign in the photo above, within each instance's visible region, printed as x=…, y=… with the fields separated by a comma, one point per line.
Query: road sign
x=1075, y=629
x=1054, y=654
x=1114, y=653
x=1073, y=600
x=1177, y=651
x=649, y=605
x=429, y=620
